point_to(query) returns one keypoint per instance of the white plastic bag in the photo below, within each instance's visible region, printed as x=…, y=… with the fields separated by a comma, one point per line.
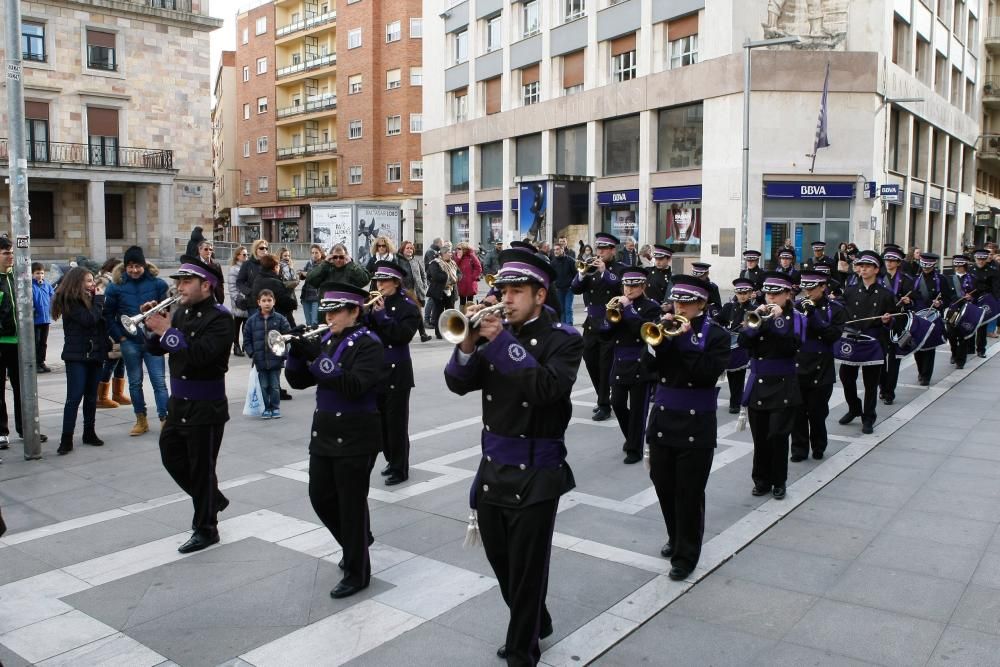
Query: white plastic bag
x=254, y=404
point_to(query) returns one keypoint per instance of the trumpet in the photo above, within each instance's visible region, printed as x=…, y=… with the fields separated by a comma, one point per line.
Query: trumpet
x=583, y=268
x=373, y=297
x=805, y=306
x=653, y=333
x=278, y=342
x=755, y=319
x=455, y=326
x=614, y=307
x=131, y=323
x=490, y=278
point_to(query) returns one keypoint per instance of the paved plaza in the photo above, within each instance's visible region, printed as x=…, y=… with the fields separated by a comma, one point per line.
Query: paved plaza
x=886, y=552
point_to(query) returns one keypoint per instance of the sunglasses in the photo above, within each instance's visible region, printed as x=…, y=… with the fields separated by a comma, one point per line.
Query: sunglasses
x=338, y=256
x=264, y=248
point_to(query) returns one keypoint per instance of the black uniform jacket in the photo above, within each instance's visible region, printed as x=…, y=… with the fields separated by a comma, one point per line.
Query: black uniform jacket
x=346, y=372
x=825, y=324
x=526, y=378
x=687, y=368
x=395, y=325
x=198, y=341
x=861, y=301
x=658, y=283
x=987, y=280
x=777, y=341
x=927, y=286
x=597, y=289
x=900, y=285
x=714, y=299
x=733, y=313
x=627, y=367
x=754, y=275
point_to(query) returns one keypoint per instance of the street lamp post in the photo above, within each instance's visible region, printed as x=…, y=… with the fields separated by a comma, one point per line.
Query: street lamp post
x=745, y=217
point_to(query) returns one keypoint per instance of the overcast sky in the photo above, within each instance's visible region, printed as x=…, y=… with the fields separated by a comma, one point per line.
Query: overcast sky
x=224, y=39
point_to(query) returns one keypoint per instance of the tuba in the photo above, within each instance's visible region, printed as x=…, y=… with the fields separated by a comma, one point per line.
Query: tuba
x=653, y=333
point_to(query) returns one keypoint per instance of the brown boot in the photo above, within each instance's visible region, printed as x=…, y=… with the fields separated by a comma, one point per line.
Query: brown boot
x=141, y=426
x=118, y=392
x=103, y=398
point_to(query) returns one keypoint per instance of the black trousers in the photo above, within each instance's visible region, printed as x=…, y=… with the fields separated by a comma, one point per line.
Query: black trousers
x=631, y=406
x=518, y=544
x=189, y=454
x=737, y=380
x=809, y=431
x=394, y=410
x=890, y=375
x=598, y=355
x=770, y=429
x=680, y=475
x=41, y=343
x=9, y=369
x=960, y=348
x=338, y=491
x=980, y=339
x=870, y=377
x=925, y=363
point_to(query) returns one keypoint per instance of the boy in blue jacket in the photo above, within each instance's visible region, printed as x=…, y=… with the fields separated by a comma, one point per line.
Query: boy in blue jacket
x=268, y=364
x=41, y=293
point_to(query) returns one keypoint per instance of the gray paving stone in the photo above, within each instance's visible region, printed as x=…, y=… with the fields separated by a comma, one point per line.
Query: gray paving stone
x=786, y=654
x=782, y=568
x=846, y=513
x=423, y=646
x=979, y=609
x=592, y=582
x=203, y=646
x=744, y=606
x=960, y=646
x=268, y=492
x=818, y=538
x=869, y=492
x=988, y=572
x=645, y=536
x=424, y=535
x=29, y=487
x=392, y=517
x=972, y=466
x=918, y=595
x=883, y=473
x=955, y=503
x=467, y=558
x=10, y=659
x=16, y=565
x=980, y=450
x=81, y=502
x=941, y=528
x=451, y=501
x=973, y=484
x=872, y=635
x=151, y=484
x=901, y=552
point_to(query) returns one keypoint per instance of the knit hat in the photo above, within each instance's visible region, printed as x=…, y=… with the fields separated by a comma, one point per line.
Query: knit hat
x=134, y=255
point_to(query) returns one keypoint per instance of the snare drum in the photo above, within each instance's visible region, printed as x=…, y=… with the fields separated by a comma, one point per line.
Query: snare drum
x=858, y=349
x=990, y=306
x=913, y=334
x=965, y=320
x=936, y=336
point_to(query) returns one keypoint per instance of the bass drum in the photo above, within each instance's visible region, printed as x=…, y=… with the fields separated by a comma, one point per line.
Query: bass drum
x=857, y=349
x=964, y=320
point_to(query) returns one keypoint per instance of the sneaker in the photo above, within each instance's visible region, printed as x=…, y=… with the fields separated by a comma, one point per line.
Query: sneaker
x=266, y=415
x=275, y=414
x=4, y=442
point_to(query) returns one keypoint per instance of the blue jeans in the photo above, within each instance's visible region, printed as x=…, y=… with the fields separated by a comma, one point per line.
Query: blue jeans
x=429, y=311
x=311, y=309
x=270, y=387
x=81, y=384
x=113, y=367
x=566, y=301
x=135, y=355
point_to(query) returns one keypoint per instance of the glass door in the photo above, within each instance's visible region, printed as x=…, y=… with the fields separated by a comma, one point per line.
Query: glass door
x=775, y=234
x=806, y=233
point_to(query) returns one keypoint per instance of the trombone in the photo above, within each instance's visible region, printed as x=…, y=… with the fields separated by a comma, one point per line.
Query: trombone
x=653, y=333
x=614, y=314
x=585, y=267
x=131, y=323
x=455, y=326
x=278, y=342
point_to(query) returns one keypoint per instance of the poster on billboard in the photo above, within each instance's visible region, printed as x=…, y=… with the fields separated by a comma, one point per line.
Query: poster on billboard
x=373, y=222
x=331, y=225
x=683, y=226
x=624, y=225
x=531, y=210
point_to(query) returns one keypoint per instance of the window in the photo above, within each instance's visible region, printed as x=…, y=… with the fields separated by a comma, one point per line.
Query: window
x=621, y=145
x=246, y=187
x=354, y=175
x=37, y=127
x=417, y=170
x=575, y=9
x=529, y=93
x=461, y=105
x=680, y=138
x=493, y=95
x=416, y=123
x=494, y=36
x=529, y=18
x=459, y=160
x=114, y=216
x=262, y=184
x=261, y=105
x=461, y=46
x=392, y=79
x=261, y=25
x=261, y=65
x=262, y=144
x=683, y=51
x=246, y=112
x=393, y=125
x=33, y=41
x=572, y=65
x=393, y=172
x=416, y=28
x=354, y=84
x=623, y=66
x=393, y=32
x=354, y=38
x=491, y=165
x=354, y=129
x=416, y=76
x=528, y=158
x=246, y=73
x=41, y=214
x=101, y=50
x=245, y=40
x=571, y=150
x=246, y=148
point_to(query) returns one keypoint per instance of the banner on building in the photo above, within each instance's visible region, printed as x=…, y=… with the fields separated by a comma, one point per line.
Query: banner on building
x=375, y=221
x=331, y=225
x=532, y=210
x=683, y=224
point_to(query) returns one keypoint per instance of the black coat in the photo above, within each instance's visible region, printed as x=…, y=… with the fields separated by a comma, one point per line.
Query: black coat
x=395, y=326
x=773, y=342
x=815, y=359
x=565, y=268
x=437, y=280
x=284, y=298
x=658, y=284
x=244, y=280
x=86, y=339
x=861, y=301
x=597, y=290
x=627, y=367
x=987, y=280
x=932, y=285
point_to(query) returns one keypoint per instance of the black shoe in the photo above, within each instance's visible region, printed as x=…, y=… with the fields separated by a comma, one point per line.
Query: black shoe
x=90, y=437
x=394, y=479
x=65, y=444
x=632, y=457
x=424, y=338
x=595, y=409
x=796, y=458
x=734, y=410
x=951, y=361
x=237, y=351
x=502, y=651
x=959, y=366
x=817, y=455
x=678, y=573
x=889, y=401
x=848, y=417
x=200, y=540
x=668, y=550
x=386, y=471
x=981, y=355
x=923, y=382
x=867, y=428
x=285, y=396
x=760, y=489
x=222, y=504
x=343, y=590
x=778, y=492
x=602, y=414
x=42, y=368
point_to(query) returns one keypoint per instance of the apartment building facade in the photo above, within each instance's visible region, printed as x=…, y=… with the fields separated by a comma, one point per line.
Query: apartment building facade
x=227, y=184
x=118, y=125
x=552, y=118
x=987, y=222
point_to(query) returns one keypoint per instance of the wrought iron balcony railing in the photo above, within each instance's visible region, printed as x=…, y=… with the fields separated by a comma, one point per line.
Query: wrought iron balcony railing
x=307, y=149
x=319, y=191
x=321, y=61
x=126, y=157
x=317, y=104
x=304, y=24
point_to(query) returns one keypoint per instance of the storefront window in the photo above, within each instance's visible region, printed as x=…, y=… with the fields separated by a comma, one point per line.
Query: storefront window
x=680, y=140
x=621, y=146
x=459, y=229
x=622, y=221
x=490, y=229
x=529, y=155
x=571, y=150
x=460, y=170
x=679, y=224
x=491, y=165
x=803, y=221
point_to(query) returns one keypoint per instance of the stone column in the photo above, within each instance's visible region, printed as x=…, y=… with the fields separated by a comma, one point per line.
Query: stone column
x=96, y=232
x=141, y=215
x=165, y=220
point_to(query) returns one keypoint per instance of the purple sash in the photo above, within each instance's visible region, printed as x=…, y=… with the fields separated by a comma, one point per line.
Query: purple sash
x=528, y=452
x=198, y=390
x=685, y=399
x=767, y=368
x=329, y=400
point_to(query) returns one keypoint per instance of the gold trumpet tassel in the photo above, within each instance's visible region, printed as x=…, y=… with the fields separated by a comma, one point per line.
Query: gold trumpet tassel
x=472, y=538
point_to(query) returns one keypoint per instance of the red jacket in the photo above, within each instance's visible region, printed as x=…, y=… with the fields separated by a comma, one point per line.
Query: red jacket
x=472, y=269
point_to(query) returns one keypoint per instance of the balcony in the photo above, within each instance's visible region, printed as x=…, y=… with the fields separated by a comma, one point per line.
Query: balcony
x=323, y=103
x=315, y=63
x=988, y=149
x=51, y=152
x=299, y=193
x=307, y=150
x=991, y=91
x=305, y=24
x=992, y=40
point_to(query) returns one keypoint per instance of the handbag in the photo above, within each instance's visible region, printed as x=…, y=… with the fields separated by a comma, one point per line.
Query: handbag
x=115, y=352
x=843, y=266
x=253, y=406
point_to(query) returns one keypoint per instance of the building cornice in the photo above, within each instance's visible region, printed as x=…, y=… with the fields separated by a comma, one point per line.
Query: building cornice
x=180, y=19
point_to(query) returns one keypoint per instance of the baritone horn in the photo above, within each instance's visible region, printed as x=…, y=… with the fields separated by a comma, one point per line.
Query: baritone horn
x=455, y=326
x=653, y=333
x=131, y=324
x=278, y=342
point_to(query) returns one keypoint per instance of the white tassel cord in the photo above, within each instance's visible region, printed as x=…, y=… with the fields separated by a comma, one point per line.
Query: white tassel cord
x=645, y=456
x=741, y=421
x=472, y=538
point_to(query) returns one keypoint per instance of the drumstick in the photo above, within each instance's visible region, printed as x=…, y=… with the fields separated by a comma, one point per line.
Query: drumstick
x=903, y=297
x=877, y=317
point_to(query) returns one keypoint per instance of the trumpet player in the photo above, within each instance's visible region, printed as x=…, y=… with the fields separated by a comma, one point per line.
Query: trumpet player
x=754, y=273
x=197, y=338
x=345, y=365
x=598, y=285
x=731, y=317
x=660, y=274
x=682, y=425
x=772, y=392
x=395, y=319
x=700, y=271
x=824, y=325
x=525, y=368
x=629, y=377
